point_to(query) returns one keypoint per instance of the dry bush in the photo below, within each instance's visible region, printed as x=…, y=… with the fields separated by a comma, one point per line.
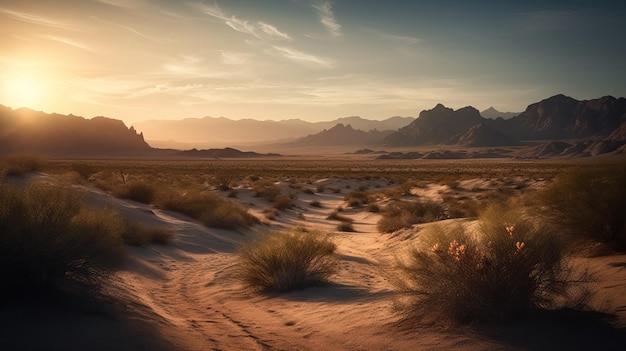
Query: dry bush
x=589, y=204
x=345, y=226
x=316, y=203
x=266, y=189
x=465, y=208
x=510, y=267
x=287, y=260
x=357, y=198
x=282, y=202
x=401, y=214
x=137, y=191
x=49, y=241
x=211, y=209
x=335, y=216
x=19, y=165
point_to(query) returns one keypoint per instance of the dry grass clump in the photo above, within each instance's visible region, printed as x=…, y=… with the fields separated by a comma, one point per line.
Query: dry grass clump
x=335, y=216
x=287, y=260
x=357, y=198
x=19, y=165
x=510, y=267
x=345, y=226
x=589, y=204
x=316, y=203
x=137, y=191
x=282, y=202
x=401, y=214
x=49, y=241
x=211, y=209
x=266, y=189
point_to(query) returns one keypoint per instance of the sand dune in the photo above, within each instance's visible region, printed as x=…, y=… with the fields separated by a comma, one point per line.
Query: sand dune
x=188, y=296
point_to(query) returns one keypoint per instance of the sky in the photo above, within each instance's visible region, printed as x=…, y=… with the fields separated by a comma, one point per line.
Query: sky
x=137, y=60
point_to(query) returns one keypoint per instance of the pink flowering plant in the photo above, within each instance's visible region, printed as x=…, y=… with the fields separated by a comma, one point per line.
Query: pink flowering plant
x=505, y=268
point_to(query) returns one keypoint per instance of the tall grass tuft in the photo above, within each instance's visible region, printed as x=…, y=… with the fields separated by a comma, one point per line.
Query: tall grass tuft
x=19, y=165
x=211, y=209
x=589, y=204
x=509, y=267
x=50, y=241
x=286, y=260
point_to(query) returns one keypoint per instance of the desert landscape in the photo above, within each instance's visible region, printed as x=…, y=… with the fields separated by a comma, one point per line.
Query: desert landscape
x=186, y=291
x=312, y=175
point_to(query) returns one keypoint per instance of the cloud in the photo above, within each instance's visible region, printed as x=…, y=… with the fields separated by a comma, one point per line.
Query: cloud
x=233, y=58
x=34, y=19
x=272, y=31
x=70, y=42
x=400, y=38
x=327, y=18
x=258, y=29
x=302, y=57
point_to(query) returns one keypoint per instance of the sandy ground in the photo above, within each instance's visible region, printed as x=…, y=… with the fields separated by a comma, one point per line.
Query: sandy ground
x=187, y=296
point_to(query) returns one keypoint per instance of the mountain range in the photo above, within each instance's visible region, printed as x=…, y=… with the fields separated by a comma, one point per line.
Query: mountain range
x=558, y=126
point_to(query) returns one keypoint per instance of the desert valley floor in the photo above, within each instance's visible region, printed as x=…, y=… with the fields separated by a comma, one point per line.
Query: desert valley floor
x=187, y=295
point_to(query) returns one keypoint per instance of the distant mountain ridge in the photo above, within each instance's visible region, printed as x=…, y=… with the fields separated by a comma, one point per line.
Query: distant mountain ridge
x=223, y=130
x=342, y=134
x=492, y=113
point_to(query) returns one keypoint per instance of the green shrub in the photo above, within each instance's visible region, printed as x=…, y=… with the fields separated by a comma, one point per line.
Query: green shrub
x=589, y=204
x=211, y=209
x=401, y=214
x=287, y=260
x=508, y=268
x=50, y=241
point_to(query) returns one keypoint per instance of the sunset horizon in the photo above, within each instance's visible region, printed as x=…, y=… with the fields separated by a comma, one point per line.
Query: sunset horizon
x=310, y=60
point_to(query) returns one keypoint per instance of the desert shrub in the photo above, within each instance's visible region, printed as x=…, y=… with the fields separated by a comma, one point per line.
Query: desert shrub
x=18, y=165
x=282, y=202
x=137, y=191
x=308, y=191
x=345, y=226
x=316, y=203
x=357, y=198
x=287, y=260
x=508, y=268
x=588, y=204
x=463, y=208
x=211, y=209
x=373, y=207
x=266, y=189
x=50, y=241
x=335, y=216
x=320, y=188
x=136, y=234
x=401, y=214
x=84, y=170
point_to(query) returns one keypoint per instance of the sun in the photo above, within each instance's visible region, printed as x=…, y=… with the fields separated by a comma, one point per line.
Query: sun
x=21, y=89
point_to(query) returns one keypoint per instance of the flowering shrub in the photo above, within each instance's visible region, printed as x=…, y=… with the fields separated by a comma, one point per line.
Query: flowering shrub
x=508, y=268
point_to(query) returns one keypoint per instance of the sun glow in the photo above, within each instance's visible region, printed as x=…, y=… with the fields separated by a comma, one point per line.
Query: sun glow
x=22, y=89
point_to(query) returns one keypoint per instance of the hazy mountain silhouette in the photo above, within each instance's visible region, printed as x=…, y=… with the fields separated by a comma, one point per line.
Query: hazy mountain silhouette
x=26, y=131
x=493, y=114
x=342, y=135
x=223, y=130
x=222, y=153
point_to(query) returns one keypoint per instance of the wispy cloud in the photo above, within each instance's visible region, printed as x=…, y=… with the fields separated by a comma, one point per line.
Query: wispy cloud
x=399, y=38
x=70, y=42
x=302, y=57
x=233, y=58
x=127, y=28
x=39, y=20
x=258, y=29
x=327, y=18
